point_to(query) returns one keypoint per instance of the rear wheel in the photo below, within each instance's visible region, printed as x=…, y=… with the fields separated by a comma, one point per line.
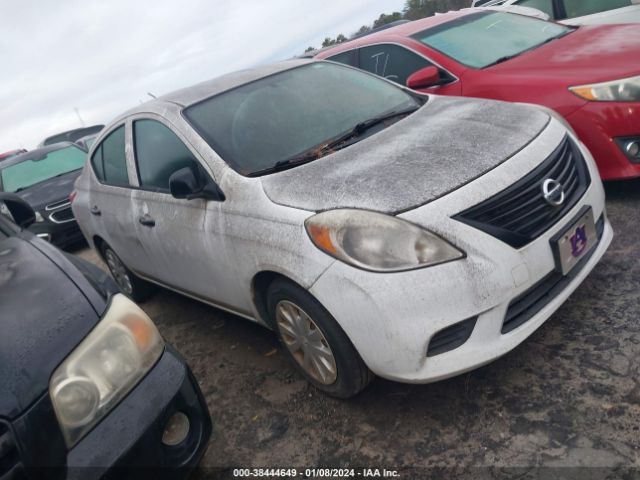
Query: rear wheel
x=131, y=285
x=314, y=341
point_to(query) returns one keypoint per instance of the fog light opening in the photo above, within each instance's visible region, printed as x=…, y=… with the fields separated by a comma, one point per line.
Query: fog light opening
x=176, y=429
x=44, y=236
x=633, y=148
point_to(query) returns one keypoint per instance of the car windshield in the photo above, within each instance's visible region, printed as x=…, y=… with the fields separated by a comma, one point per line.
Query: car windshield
x=38, y=169
x=275, y=119
x=483, y=39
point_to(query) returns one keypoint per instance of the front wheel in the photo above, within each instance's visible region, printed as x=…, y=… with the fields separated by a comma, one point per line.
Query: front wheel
x=131, y=285
x=314, y=341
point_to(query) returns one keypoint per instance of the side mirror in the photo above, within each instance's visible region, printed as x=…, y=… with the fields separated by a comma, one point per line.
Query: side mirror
x=424, y=78
x=184, y=184
x=22, y=213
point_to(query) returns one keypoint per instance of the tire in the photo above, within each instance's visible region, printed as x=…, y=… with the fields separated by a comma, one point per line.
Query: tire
x=303, y=325
x=132, y=286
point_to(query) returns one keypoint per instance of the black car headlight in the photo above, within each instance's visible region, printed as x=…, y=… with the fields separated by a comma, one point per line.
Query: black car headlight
x=104, y=367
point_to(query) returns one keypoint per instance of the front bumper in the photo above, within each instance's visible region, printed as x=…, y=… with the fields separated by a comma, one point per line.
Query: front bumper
x=598, y=124
x=62, y=235
x=127, y=442
x=391, y=318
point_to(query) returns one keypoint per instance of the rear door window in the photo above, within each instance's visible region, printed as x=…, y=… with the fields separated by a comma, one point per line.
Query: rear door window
x=109, y=160
x=159, y=154
x=392, y=62
x=579, y=8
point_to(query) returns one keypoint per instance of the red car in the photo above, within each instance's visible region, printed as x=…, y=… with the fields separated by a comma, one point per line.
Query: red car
x=590, y=75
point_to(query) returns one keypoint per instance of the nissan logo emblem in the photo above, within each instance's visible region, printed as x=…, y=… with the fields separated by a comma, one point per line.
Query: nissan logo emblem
x=553, y=192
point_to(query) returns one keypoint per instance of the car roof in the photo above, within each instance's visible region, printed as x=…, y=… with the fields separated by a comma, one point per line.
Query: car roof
x=403, y=30
x=201, y=91
x=36, y=153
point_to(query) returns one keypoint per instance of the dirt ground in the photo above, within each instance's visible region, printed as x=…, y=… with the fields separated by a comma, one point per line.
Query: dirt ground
x=569, y=396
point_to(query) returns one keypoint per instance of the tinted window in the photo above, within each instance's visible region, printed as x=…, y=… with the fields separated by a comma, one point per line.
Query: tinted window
x=281, y=116
x=578, y=8
x=159, y=153
x=481, y=39
x=545, y=6
x=36, y=168
x=345, y=57
x=392, y=62
x=109, y=160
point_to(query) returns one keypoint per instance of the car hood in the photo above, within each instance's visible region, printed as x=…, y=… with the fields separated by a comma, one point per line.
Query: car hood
x=445, y=144
x=593, y=53
x=43, y=316
x=50, y=191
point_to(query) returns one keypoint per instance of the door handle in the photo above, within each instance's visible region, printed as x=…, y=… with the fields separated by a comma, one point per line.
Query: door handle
x=147, y=221
x=95, y=210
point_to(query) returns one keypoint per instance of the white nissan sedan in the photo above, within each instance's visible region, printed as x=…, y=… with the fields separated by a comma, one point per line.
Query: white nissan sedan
x=376, y=230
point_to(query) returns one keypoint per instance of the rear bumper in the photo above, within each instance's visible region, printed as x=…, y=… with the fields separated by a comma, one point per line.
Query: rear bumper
x=127, y=443
x=598, y=124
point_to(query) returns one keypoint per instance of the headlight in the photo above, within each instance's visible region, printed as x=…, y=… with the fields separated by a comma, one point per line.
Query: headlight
x=377, y=242
x=625, y=90
x=39, y=217
x=104, y=367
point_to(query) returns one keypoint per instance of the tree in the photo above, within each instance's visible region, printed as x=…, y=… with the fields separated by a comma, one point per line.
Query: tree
x=309, y=49
x=383, y=19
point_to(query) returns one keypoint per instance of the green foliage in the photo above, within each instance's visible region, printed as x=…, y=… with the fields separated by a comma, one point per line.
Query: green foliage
x=383, y=19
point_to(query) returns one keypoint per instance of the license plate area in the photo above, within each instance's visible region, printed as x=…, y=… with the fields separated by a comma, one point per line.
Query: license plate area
x=572, y=243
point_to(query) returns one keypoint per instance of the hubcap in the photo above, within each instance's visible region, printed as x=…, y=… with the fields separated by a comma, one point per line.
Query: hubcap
x=119, y=272
x=306, y=342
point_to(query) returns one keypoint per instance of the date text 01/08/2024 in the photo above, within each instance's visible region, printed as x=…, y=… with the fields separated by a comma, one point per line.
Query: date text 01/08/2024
x=315, y=472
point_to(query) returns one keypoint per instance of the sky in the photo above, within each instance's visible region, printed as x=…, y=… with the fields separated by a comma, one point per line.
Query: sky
x=103, y=57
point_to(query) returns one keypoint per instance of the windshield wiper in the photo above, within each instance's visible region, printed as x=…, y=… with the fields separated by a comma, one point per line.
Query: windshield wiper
x=509, y=57
x=334, y=144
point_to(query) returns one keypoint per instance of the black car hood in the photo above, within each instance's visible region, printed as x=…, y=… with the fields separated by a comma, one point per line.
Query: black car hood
x=442, y=146
x=43, y=317
x=50, y=191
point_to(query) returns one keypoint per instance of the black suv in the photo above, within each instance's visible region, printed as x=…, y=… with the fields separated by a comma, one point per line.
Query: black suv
x=88, y=384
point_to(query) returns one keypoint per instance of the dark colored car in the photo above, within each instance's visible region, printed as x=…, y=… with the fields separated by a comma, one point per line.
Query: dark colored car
x=44, y=179
x=71, y=135
x=88, y=384
x=11, y=154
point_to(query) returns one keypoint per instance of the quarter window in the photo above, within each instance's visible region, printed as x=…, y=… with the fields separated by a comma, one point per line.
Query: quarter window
x=159, y=154
x=347, y=58
x=109, y=160
x=392, y=62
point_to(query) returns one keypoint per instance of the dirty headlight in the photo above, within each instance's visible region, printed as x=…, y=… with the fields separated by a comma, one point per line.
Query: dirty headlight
x=104, y=367
x=625, y=90
x=377, y=242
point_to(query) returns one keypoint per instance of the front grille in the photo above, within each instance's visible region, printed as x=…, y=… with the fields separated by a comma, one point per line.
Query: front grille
x=11, y=467
x=62, y=216
x=524, y=307
x=451, y=337
x=520, y=214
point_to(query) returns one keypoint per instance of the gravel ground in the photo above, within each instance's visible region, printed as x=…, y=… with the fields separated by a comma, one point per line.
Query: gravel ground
x=569, y=396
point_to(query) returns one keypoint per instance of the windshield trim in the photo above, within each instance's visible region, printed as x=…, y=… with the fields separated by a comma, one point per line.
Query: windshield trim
x=467, y=19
